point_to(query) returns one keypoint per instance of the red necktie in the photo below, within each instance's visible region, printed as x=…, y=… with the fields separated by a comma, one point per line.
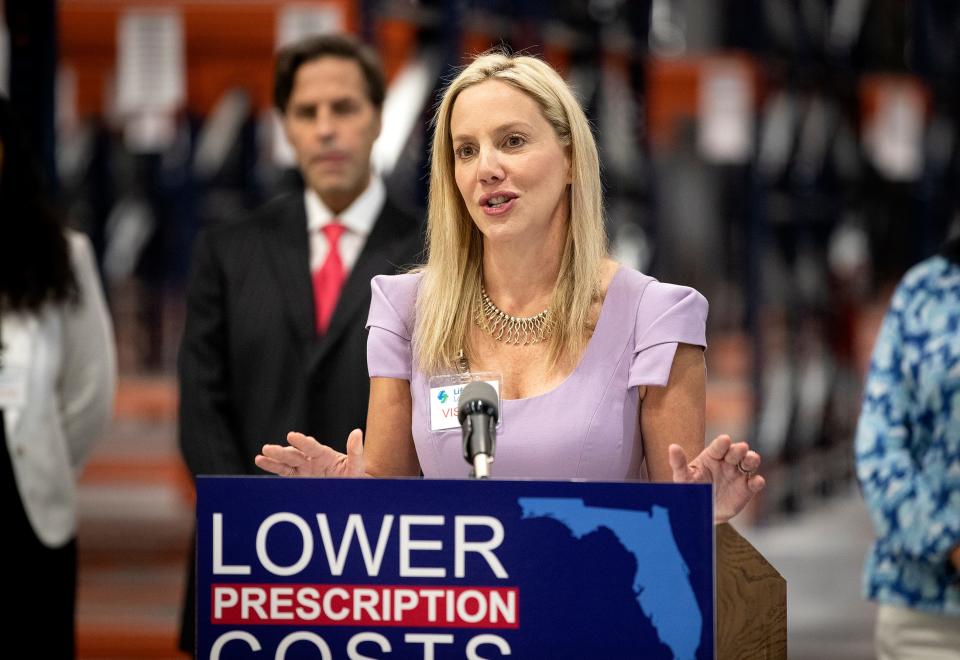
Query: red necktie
x=329, y=278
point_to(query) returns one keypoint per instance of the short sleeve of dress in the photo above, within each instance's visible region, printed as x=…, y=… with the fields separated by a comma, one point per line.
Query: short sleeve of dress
x=390, y=325
x=666, y=316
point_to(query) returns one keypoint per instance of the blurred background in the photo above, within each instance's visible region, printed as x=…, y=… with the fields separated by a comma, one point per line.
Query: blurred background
x=788, y=158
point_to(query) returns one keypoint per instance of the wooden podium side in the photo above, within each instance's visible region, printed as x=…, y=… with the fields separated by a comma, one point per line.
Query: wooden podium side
x=751, y=601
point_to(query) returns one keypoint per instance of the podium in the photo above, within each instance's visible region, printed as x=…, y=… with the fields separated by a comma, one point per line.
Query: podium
x=751, y=601
x=413, y=568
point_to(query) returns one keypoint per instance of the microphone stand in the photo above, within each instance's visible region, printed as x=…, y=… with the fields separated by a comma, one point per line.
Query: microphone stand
x=480, y=433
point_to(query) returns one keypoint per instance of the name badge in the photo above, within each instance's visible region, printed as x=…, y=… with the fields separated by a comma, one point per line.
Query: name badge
x=445, y=398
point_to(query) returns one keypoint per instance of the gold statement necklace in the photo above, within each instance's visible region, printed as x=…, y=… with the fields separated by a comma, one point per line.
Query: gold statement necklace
x=511, y=329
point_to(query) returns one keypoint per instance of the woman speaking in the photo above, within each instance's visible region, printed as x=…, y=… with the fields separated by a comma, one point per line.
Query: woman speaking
x=600, y=367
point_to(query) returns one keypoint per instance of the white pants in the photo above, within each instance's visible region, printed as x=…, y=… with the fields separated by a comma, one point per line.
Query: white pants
x=905, y=634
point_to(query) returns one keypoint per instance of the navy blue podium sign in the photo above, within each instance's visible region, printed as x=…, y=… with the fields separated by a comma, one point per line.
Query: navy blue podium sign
x=413, y=568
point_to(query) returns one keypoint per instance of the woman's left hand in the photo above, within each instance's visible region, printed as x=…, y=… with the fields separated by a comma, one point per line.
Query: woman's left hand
x=730, y=466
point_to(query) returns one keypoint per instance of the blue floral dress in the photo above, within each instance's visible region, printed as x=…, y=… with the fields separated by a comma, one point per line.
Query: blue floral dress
x=908, y=443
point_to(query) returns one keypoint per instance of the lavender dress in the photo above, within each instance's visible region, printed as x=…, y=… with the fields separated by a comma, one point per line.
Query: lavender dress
x=586, y=427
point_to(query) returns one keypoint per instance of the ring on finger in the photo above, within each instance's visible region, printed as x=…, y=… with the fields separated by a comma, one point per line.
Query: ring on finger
x=743, y=470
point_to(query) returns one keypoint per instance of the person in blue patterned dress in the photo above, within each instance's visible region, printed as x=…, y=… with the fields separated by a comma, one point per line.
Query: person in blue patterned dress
x=908, y=464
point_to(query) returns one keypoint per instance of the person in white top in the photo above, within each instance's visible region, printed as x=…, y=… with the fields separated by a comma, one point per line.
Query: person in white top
x=57, y=383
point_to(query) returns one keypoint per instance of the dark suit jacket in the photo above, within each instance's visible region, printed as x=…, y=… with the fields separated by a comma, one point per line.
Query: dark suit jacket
x=251, y=365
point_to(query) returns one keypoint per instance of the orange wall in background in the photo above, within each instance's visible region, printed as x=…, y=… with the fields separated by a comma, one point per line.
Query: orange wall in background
x=673, y=90
x=228, y=44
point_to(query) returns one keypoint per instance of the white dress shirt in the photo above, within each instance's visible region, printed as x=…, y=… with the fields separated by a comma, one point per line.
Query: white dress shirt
x=357, y=219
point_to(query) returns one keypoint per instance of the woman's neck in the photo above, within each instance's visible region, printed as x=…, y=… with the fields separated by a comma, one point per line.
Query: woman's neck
x=520, y=278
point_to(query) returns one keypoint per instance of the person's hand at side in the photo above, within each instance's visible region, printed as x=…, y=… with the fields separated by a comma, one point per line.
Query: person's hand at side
x=305, y=457
x=955, y=558
x=730, y=466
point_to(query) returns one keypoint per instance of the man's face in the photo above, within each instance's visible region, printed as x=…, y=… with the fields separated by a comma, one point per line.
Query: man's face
x=332, y=124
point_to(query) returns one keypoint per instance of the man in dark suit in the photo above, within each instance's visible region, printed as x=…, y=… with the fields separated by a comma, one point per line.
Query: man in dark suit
x=274, y=338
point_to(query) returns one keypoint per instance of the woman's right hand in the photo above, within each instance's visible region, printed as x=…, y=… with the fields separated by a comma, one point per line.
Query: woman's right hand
x=305, y=457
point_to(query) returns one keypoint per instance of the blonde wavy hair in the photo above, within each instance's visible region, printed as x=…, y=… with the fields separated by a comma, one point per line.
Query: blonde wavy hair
x=450, y=288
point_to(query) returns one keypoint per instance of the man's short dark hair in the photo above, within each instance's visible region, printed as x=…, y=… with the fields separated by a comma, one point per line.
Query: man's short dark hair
x=292, y=57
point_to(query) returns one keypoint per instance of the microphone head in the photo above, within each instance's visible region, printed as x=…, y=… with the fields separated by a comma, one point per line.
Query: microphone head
x=478, y=396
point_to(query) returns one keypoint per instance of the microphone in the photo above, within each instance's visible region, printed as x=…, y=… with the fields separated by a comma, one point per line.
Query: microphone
x=478, y=413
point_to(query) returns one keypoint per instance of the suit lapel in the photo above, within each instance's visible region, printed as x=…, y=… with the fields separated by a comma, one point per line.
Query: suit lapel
x=288, y=251
x=380, y=254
